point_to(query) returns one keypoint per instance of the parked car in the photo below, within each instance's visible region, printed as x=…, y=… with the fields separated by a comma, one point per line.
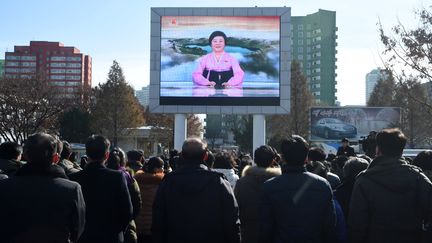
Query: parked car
x=331, y=128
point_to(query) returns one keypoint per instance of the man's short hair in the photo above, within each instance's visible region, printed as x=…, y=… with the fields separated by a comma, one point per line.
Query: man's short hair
x=424, y=160
x=316, y=154
x=154, y=163
x=39, y=149
x=264, y=156
x=193, y=150
x=134, y=155
x=10, y=150
x=294, y=150
x=353, y=167
x=96, y=147
x=116, y=159
x=391, y=142
x=67, y=150
x=223, y=160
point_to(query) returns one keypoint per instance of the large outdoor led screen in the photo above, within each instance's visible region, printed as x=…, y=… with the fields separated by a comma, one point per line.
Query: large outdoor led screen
x=220, y=60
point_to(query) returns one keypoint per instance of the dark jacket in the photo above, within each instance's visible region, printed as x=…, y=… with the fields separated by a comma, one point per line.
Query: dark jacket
x=297, y=207
x=109, y=207
x=343, y=195
x=248, y=192
x=194, y=204
x=38, y=205
x=347, y=151
x=10, y=167
x=389, y=201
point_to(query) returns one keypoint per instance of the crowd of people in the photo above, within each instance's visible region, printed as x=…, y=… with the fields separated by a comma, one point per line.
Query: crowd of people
x=294, y=193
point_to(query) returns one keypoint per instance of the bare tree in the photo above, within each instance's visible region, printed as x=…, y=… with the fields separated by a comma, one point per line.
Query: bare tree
x=28, y=106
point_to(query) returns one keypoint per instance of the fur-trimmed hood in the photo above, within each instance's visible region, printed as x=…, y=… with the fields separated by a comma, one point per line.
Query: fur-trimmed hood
x=260, y=172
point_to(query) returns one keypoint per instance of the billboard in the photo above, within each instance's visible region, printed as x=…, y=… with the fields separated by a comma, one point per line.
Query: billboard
x=354, y=123
x=217, y=59
x=220, y=60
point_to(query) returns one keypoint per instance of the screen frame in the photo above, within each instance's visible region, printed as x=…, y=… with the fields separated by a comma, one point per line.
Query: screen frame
x=206, y=105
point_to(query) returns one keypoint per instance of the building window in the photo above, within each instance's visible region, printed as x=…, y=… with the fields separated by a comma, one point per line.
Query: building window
x=73, y=77
x=73, y=83
x=58, y=64
x=58, y=58
x=300, y=42
x=300, y=49
x=300, y=34
x=57, y=83
x=58, y=70
x=12, y=70
x=28, y=70
x=12, y=64
x=57, y=77
x=12, y=57
x=73, y=65
x=300, y=27
x=28, y=58
x=73, y=58
x=28, y=64
x=300, y=57
x=73, y=70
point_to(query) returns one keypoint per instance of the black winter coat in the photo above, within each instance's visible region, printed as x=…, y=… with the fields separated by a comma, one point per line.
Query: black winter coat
x=39, y=205
x=109, y=207
x=297, y=207
x=343, y=195
x=248, y=192
x=193, y=204
x=389, y=202
x=10, y=167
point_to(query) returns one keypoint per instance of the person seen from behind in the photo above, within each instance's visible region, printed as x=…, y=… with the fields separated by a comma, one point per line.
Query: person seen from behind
x=148, y=182
x=297, y=206
x=248, y=191
x=194, y=204
x=391, y=200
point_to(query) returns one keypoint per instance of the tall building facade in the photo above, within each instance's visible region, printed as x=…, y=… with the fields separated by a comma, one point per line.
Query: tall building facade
x=314, y=46
x=143, y=95
x=2, y=64
x=372, y=79
x=64, y=67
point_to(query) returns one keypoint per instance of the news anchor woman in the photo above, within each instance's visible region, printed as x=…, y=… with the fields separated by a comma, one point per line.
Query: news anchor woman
x=218, y=69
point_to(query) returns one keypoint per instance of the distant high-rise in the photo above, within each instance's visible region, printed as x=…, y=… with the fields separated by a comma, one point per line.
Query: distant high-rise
x=372, y=79
x=314, y=46
x=2, y=63
x=143, y=95
x=63, y=67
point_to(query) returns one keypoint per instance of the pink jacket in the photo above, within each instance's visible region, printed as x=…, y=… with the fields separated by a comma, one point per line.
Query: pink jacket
x=225, y=63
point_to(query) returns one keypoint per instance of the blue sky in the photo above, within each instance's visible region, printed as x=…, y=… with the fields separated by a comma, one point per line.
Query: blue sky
x=115, y=29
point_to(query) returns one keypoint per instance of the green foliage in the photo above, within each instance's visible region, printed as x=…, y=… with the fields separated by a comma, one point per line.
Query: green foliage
x=297, y=122
x=384, y=91
x=75, y=125
x=243, y=133
x=116, y=106
x=213, y=129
